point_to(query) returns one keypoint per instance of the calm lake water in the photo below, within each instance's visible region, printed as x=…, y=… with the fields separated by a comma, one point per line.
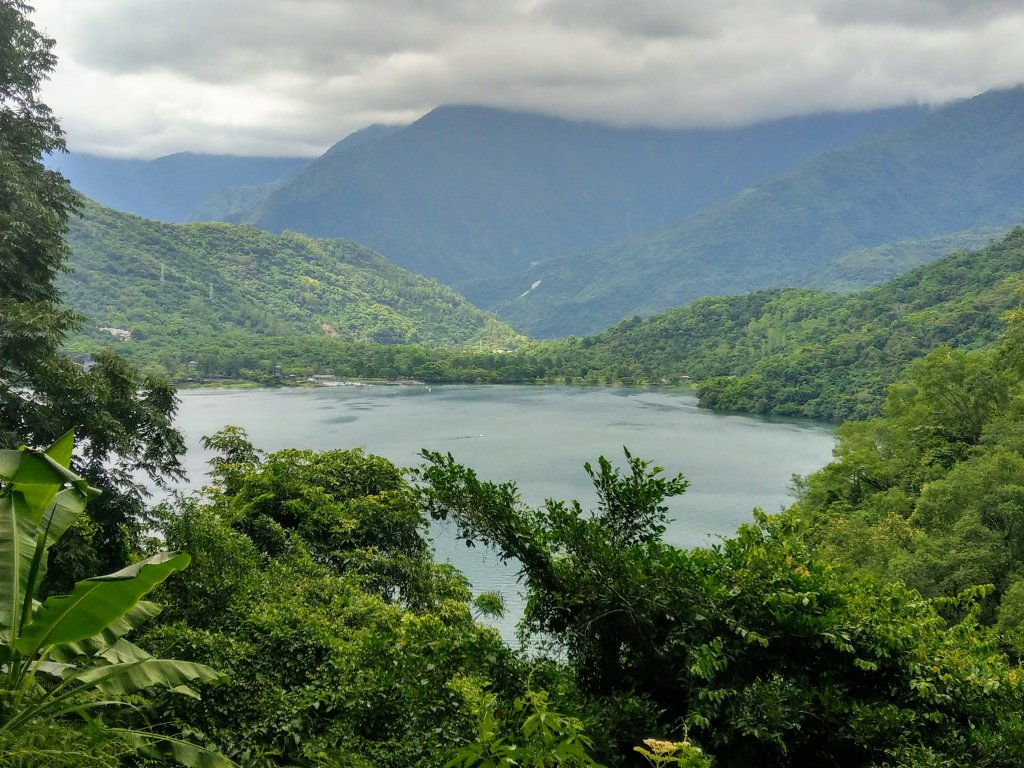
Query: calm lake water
x=537, y=436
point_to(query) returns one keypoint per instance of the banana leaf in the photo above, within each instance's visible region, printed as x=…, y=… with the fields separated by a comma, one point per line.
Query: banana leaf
x=34, y=513
x=17, y=551
x=182, y=752
x=124, y=652
x=134, y=676
x=142, y=612
x=96, y=603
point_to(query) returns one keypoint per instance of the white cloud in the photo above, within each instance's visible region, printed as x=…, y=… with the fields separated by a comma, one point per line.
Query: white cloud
x=148, y=77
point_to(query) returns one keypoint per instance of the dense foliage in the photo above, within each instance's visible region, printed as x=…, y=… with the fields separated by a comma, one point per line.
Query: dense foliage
x=759, y=648
x=123, y=419
x=312, y=587
x=807, y=353
x=932, y=491
x=337, y=640
x=178, y=287
x=68, y=655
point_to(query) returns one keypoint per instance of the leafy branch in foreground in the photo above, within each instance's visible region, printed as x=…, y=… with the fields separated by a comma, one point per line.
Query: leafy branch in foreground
x=757, y=647
x=545, y=739
x=68, y=655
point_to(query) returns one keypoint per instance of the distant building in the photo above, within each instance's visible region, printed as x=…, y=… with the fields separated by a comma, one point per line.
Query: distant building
x=118, y=333
x=192, y=366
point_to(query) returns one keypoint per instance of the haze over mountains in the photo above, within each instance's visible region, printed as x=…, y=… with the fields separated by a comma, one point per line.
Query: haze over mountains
x=469, y=192
x=565, y=228
x=168, y=188
x=958, y=168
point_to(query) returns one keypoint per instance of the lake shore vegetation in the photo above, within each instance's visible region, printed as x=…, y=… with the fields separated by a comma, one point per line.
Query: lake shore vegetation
x=791, y=352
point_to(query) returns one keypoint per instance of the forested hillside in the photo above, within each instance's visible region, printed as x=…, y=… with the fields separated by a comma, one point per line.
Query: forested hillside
x=180, y=286
x=857, y=270
x=930, y=492
x=469, y=192
x=804, y=352
x=959, y=168
x=796, y=351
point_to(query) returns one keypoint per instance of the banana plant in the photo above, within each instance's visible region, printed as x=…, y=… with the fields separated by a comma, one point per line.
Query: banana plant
x=68, y=655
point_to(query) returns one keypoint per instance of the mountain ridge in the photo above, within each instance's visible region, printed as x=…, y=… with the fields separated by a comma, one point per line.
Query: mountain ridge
x=167, y=188
x=467, y=192
x=960, y=167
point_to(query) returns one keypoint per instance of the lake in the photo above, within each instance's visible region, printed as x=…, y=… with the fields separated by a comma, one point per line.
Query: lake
x=538, y=436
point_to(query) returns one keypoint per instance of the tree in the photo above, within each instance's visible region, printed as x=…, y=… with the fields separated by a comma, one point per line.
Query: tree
x=69, y=655
x=35, y=202
x=762, y=651
x=312, y=588
x=124, y=419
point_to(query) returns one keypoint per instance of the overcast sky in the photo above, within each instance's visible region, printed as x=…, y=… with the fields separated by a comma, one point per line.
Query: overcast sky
x=142, y=78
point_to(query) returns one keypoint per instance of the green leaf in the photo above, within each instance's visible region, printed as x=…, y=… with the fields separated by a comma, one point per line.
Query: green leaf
x=37, y=468
x=38, y=498
x=62, y=447
x=44, y=474
x=9, y=462
x=182, y=752
x=142, y=612
x=124, y=652
x=96, y=603
x=64, y=510
x=54, y=669
x=134, y=676
x=17, y=549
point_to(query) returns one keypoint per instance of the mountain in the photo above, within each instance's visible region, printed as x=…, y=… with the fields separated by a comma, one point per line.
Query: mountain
x=804, y=352
x=236, y=204
x=469, y=192
x=364, y=135
x=857, y=270
x=168, y=188
x=174, y=286
x=959, y=168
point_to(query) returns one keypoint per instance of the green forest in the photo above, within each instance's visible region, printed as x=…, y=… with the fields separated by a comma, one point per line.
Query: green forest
x=289, y=614
x=179, y=286
x=793, y=352
x=801, y=352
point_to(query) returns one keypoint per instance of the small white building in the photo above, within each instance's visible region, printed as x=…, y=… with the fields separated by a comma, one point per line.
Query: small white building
x=123, y=334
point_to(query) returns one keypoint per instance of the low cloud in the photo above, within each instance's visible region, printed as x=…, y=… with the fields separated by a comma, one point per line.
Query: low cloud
x=148, y=77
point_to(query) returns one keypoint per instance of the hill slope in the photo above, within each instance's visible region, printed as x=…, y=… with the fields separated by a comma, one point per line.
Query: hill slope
x=236, y=204
x=469, y=192
x=174, y=285
x=804, y=352
x=857, y=270
x=962, y=167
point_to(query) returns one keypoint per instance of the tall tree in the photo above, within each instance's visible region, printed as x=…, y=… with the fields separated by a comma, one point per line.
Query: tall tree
x=124, y=419
x=34, y=203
